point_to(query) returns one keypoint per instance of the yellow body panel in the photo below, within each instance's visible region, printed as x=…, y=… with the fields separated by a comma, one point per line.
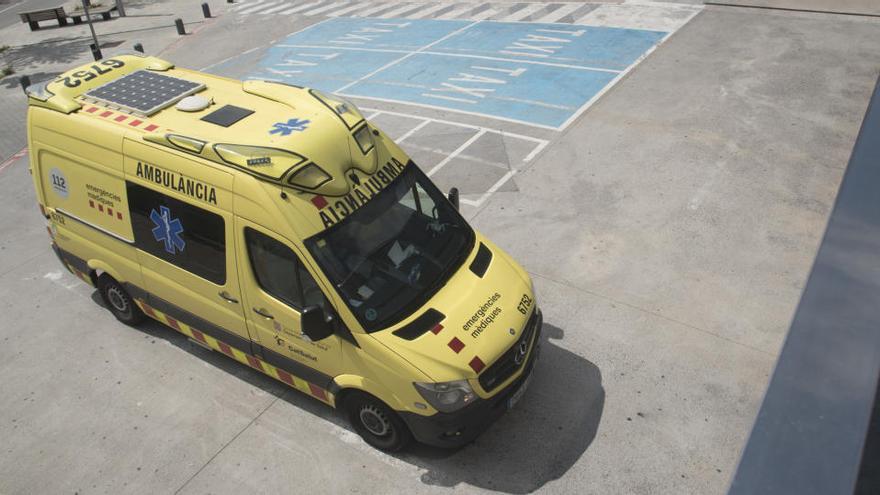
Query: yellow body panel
x=86, y=156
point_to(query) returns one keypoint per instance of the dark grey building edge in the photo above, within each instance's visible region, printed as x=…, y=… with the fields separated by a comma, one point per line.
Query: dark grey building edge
x=814, y=424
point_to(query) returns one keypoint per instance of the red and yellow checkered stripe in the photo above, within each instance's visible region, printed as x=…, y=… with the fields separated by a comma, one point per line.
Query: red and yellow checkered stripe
x=82, y=276
x=240, y=356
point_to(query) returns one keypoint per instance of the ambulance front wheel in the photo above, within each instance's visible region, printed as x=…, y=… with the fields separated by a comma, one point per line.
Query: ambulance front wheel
x=377, y=423
x=118, y=301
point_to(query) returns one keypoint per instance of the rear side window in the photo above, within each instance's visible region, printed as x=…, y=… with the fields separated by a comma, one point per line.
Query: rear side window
x=180, y=233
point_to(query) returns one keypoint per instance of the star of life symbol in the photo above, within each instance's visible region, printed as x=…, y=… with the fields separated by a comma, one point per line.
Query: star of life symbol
x=287, y=128
x=167, y=230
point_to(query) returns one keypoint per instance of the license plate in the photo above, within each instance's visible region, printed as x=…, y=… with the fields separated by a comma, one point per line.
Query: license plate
x=519, y=393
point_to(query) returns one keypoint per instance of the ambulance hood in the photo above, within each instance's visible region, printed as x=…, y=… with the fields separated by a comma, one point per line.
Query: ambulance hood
x=479, y=319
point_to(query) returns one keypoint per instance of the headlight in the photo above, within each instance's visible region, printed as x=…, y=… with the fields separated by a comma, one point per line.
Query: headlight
x=447, y=396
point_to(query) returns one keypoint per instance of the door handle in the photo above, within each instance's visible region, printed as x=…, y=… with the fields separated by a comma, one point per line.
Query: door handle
x=225, y=295
x=262, y=312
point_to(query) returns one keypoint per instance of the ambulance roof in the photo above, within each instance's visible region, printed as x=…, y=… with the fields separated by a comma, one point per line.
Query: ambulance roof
x=280, y=133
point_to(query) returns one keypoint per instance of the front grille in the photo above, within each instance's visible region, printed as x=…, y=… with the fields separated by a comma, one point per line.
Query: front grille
x=506, y=365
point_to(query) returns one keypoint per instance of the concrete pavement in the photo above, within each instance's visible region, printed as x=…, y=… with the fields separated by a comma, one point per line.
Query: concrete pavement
x=669, y=231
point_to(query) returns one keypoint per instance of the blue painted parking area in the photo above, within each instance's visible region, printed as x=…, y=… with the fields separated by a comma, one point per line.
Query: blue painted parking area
x=533, y=73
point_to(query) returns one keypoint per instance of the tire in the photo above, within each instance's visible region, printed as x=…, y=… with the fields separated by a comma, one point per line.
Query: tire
x=377, y=423
x=119, y=302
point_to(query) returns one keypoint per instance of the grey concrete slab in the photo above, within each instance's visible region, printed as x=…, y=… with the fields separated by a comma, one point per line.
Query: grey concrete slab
x=699, y=188
x=105, y=407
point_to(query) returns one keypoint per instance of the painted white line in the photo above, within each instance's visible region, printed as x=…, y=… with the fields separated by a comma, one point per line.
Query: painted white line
x=283, y=6
x=454, y=13
x=355, y=48
x=427, y=11
x=245, y=5
x=373, y=115
x=620, y=76
x=461, y=55
x=461, y=124
x=325, y=8
x=514, y=60
x=301, y=7
x=408, y=55
x=484, y=14
x=404, y=8
x=523, y=13
x=351, y=7
x=256, y=6
x=413, y=130
x=456, y=152
x=366, y=13
x=448, y=109
x=560, y=13
x=537, y=149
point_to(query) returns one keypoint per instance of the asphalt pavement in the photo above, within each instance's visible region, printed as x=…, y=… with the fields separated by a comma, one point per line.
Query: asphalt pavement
x=669, y=215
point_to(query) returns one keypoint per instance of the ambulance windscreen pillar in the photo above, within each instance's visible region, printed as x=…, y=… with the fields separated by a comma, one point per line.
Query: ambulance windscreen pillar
x=96, y=52
x=180, y=29
x=138, y=48
x=206, y=11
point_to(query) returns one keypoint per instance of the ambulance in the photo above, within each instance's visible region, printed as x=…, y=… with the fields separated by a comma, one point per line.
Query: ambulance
x=275, y=224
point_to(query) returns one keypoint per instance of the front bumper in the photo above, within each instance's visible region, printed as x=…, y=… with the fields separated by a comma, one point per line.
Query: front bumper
x=455, y=429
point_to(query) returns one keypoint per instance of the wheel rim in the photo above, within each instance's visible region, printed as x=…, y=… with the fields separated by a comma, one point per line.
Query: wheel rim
x=375, y=421
x=117, y=299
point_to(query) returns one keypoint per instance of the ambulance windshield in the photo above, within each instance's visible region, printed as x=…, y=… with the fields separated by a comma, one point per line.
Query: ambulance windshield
x=391, y=255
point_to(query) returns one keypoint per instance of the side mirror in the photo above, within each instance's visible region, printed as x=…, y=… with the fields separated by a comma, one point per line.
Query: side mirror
x=314, y=324
x=453, y=197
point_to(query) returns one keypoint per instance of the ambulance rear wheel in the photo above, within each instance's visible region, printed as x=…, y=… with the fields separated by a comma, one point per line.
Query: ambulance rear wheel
x=118, y=301
x=377, y=423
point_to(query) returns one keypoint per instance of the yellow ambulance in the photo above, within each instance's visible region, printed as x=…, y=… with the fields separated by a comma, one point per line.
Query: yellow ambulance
x=275, y=224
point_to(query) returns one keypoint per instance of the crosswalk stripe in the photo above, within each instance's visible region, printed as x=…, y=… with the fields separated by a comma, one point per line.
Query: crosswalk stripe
x=523, y=13
x=281, y=6
x=559, y=13
x=258, y=6
x=324, y=8
x=300, y=7
x=246, y=5
x=484, y=14
x=428, y=11
x=405, y=8
x=374, y=10
x=355, y=6
x=454, y=13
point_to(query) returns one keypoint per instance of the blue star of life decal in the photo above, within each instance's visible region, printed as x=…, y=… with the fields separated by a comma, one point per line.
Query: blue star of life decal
x=167, y=230
x=287, y=128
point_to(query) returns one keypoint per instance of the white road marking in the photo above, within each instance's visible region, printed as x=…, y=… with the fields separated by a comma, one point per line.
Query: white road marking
x=299, y=8
x=405, y=8
x=454, y=13
x=427, y=11
x=524, y=12
x=346, y=10
x=408, y=55
x=560, y=13
x=455, y=153
x=366, y=13
x=484, y=14
x=255, y=6
x=325, y=8
x=414, y=130
x=283, y=6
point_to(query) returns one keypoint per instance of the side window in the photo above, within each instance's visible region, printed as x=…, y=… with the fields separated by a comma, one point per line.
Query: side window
x=419, y=200
x=179, y=233
x=279, y=271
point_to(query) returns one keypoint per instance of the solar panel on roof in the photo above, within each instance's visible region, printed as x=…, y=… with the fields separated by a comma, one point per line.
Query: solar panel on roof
x=143, y=92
